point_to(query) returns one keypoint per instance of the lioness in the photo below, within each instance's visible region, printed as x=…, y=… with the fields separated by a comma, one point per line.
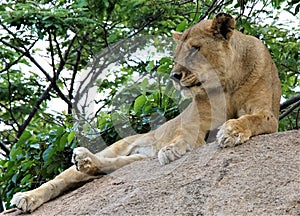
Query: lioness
x=230, y=77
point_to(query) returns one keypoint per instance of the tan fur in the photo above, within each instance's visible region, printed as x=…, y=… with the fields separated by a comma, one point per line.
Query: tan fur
x=234, y=85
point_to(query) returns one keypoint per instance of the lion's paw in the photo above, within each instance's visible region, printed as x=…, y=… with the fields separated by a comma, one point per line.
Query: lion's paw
x=83, y=160
x=232, y=133
x=170, y=153
x=24, y=201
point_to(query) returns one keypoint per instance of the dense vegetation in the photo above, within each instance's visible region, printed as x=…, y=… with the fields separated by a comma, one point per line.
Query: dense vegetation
x=107, y=62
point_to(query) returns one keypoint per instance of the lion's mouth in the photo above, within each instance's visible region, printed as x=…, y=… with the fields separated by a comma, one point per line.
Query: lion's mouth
x=194, y=85
x=183, y=86
x=186, y=85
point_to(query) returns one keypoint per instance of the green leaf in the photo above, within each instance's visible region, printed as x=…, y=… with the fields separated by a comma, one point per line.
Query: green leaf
x=60, y=131
x=47, y=153
x=27, y=179
x=24, y=137
x=150, y=66
x=139, y=103
x=81, y=3
x=26, y=165
x=35, y=146
x=37, y=157
x=145, y=85
x=182, y=26
x=137, y=2
x=71, y=137
x=112, y=38
x=14, y=178
x=147, y=108
x=15, y=152
x=63, y=141
x=164, y=68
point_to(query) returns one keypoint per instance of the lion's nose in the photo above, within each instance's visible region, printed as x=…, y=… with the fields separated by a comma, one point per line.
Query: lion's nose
x=176, y=76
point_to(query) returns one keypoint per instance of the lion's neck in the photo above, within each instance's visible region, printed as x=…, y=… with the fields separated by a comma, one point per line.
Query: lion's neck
x=212, y=107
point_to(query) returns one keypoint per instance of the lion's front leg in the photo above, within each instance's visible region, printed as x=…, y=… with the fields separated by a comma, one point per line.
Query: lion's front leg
x=232, y=133
x=178, y=147
x=189, y=132
x=237, y=131
x=172, y=152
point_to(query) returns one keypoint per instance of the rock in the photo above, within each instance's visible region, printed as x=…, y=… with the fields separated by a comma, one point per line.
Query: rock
x=260, y=177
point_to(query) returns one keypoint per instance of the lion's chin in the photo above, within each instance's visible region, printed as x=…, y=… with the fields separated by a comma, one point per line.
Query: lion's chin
x=192, y=92
x=186, y=93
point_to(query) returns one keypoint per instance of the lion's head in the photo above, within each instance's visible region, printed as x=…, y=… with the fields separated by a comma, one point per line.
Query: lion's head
x=203, y=56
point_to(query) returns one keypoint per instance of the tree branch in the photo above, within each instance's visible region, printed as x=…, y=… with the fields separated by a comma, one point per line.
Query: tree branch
x=64, y=58
x=52, y=56
x=34, y=110
x=290, y=101
x=53, y=82
x=75, y=71
x=9, y=65
x=10, y=101
x=5, y=149
x=288, y=111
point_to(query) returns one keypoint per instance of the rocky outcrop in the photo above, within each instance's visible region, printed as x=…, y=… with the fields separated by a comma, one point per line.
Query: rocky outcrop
x=260, y=177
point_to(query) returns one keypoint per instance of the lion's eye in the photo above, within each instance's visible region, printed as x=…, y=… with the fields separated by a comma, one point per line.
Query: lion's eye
x=196, y=47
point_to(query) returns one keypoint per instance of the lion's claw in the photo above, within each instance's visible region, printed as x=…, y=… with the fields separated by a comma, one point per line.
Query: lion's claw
x=82, y=158
x=86, y=162
x=170, y=153
x=25, y=202
x=232, y=134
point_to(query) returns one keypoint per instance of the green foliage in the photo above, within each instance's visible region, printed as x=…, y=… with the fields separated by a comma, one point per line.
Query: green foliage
x=140, y=106
x=36, y=158
x=289, y=122
x=18, y=94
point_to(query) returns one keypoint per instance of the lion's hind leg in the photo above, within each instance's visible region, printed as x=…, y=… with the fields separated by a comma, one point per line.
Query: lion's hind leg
x=87, y=166
x=31, y=200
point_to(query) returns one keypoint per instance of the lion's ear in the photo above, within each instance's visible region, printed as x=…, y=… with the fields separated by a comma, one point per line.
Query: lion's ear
x=223, y=24
x=177, y=35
